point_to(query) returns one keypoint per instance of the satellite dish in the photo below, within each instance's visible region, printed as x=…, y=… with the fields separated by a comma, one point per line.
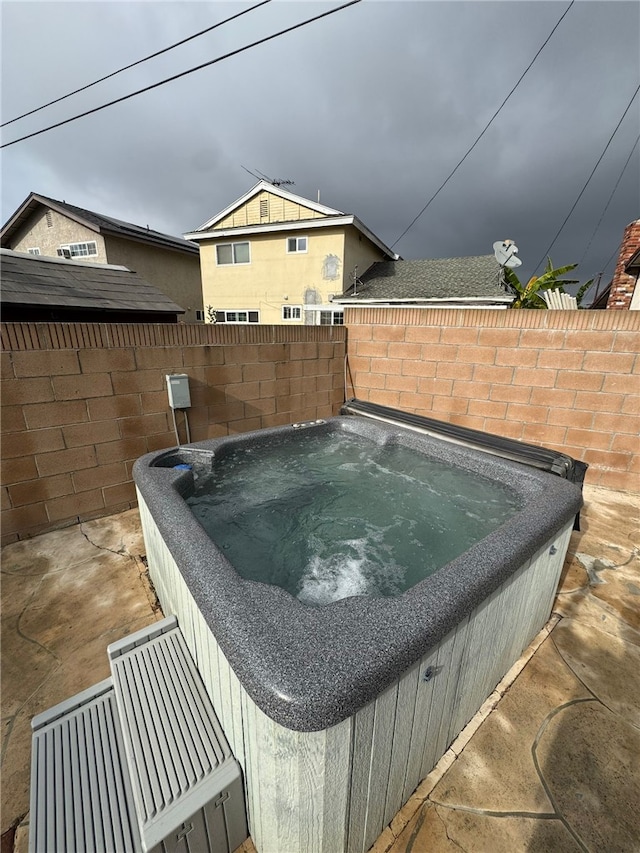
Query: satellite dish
x=506, y=253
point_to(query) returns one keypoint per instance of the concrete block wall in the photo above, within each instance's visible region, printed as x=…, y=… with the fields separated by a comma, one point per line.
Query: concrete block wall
x=568, y=380
x=81, y=402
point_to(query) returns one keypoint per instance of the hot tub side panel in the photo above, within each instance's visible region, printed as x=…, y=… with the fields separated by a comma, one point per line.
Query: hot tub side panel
x=335, y=790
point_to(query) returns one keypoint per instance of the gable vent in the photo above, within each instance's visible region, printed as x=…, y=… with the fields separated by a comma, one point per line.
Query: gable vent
x=264, y=208
x=49, y=219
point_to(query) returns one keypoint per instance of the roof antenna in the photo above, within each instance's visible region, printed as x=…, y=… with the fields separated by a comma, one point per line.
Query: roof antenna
x=276, y=182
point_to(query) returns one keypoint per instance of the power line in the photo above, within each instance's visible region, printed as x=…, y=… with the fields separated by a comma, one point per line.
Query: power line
x=486, y=127
x=587, y=182
x=613, y=192
x=184, y=73
x=138, y=62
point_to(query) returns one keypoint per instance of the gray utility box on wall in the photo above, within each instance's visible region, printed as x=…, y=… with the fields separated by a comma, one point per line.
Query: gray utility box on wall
x=139, y=762
x=178, y=391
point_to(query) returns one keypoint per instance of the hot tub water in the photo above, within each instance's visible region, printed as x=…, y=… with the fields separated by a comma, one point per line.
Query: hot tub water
x=329, y=516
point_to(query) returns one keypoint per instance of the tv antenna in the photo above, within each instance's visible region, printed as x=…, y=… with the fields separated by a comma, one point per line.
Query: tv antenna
x=506, y=253
x=276, y=182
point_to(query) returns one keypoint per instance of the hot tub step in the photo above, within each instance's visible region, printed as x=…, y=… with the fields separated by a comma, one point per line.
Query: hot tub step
x=81, y=797
x=186, y=783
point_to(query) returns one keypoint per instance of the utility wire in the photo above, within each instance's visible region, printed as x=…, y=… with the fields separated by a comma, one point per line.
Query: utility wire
x=587, y=182
x=184, y=73
x=606, y=207
x=486, y=127
x=138, y=62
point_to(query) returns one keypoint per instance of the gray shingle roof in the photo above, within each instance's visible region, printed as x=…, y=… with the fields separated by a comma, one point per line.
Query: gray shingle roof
x=476, y=276
x=98, y=222
x=50, y=282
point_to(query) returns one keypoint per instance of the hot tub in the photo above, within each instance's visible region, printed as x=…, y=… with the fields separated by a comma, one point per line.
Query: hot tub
x=337, y=711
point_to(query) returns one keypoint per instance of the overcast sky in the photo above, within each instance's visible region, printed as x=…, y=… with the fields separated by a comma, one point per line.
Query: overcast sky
x=372, y=107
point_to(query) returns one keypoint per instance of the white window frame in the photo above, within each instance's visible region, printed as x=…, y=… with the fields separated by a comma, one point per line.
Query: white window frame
x=34, y=250
x=75, y=249
x=294, y=311
x=238, y=311
x=233, y=262
x=334, y=313
x=298, y=250
x=199, y=315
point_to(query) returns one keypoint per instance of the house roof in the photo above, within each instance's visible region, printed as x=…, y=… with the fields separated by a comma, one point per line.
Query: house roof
x=274, y=190
x=95, y=221
x=330, y=218
x=36, y=280
x=471, y=279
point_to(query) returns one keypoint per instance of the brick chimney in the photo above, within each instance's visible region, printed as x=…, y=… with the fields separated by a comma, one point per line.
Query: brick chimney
x=623, y=283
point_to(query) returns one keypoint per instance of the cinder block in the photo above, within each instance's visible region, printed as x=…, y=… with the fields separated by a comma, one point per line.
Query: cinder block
x=121, y=493
x=99, y=477
x=18, y=470
x=143, y=425
x=107, y=360
x=609, y=362
x=41, y=489
x=472, y=390
x=65, y=461
x=498, y=337
x=406, y=351
x=120, y=451
x=535, y=377
x=135, y=382
x=23, y=519
x=579, y=380
x=18, y=391
x=615, y=423
x=259, y=371
x=587, y=341
x=72, y=506
x=12, y=418
x=32, y=442
x=82, y=387
x=45, y=363
x=119, y=406
x=55, y=414
x=466, y=335
x=527, y=414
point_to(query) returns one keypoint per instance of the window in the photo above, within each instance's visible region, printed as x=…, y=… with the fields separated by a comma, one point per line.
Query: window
x=232, y=253
x=237, y=316
x=200, y=315
x=78, y=250
x=291, y=312
x=331, y=318
x=296, y=244
x=34, y=251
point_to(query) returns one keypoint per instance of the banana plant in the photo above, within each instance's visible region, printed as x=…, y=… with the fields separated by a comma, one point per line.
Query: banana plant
x=529, y=295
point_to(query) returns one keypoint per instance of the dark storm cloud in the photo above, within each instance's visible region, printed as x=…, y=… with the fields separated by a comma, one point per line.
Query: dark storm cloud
x=373, y=107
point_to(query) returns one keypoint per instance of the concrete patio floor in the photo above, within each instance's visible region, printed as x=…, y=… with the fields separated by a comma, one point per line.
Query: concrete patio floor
x=550, y=763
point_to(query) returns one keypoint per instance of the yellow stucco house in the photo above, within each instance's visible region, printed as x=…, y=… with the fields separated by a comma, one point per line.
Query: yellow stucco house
x=275, y=257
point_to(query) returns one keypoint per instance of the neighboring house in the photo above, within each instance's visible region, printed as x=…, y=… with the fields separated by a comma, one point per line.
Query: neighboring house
x=472, y=282
x=41, y=289
x=44, y=226
x=275, y=257
x=623, y=293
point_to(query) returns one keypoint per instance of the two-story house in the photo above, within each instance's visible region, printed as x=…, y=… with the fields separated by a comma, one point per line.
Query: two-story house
x=47, y=227
x=275, y=257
